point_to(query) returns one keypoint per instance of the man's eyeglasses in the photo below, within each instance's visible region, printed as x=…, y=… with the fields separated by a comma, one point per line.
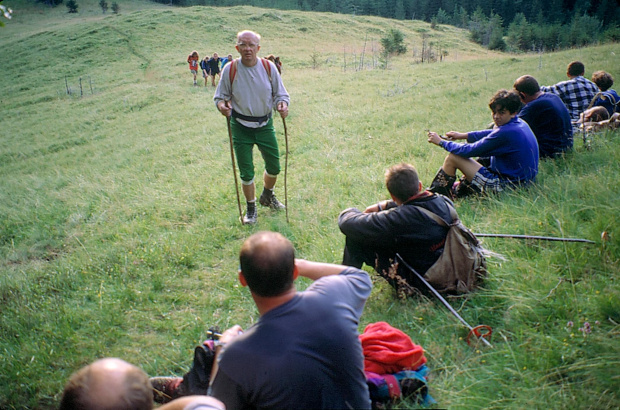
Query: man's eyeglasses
x=244, y=45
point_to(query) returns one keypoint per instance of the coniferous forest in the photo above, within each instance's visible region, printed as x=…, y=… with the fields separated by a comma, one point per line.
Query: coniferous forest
x=507, y=25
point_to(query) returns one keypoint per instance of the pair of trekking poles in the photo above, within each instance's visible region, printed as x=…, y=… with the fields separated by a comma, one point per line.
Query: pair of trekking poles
x=232, y=158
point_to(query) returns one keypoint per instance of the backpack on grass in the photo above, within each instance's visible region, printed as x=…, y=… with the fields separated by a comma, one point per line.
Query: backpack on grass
x=462, y=265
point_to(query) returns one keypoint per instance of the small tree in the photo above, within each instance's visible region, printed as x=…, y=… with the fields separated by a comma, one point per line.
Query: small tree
x=393, y=43
x=116, y=8
x=104, y=6
x=72, y=6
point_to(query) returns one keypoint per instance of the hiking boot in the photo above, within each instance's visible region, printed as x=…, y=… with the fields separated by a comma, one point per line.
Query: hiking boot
x=251, y=215
x=166, y=389
x=269, y=199
x=442, y=183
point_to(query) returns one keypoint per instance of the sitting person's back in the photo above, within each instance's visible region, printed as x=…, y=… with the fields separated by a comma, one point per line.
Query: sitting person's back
x=608, y=97
x=397, y=226
x=546, y=115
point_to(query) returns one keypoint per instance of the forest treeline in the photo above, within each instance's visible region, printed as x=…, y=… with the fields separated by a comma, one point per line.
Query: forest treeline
x=507, y=25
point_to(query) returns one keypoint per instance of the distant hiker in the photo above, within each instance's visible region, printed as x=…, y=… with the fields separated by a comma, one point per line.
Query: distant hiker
x=193, y=59
x=576, y=92
x=226, y=60
x=303, y=352
x=276, y=61
x=248, y=94
x=511, y=147
x=214, y=67
x=375, y=235
x=204, y=66
x=547, y=116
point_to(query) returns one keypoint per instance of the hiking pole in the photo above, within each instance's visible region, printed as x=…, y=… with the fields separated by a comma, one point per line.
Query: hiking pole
x=285, y=168
x=540, y=238
x=232, y=158
x=475, y=331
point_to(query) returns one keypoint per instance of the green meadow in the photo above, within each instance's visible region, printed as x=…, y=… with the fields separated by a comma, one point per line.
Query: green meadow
x=119, y=227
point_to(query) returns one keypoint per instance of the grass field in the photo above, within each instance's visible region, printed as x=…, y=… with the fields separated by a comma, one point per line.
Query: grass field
x=119, y=228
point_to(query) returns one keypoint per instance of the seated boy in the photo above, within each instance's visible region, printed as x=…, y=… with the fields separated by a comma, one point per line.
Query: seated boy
x=511, y=147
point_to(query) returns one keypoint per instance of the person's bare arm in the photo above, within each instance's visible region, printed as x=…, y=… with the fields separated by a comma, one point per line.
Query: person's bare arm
x=316, y=270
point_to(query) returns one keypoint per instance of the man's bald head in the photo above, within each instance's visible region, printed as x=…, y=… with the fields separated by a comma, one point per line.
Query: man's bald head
x=108, y=384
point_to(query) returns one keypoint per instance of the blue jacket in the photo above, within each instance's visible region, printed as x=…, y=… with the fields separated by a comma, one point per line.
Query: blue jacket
x=512, y=148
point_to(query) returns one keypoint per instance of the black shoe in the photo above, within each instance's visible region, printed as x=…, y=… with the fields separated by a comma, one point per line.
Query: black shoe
x=268, y=198
x=166, y=389
x=251, y=215
x=442, y=184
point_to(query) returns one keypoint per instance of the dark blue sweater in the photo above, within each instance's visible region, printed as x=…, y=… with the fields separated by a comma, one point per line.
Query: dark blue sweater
x=512, y=149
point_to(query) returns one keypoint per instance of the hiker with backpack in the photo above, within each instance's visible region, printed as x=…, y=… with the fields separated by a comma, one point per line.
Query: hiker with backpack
x=608, y=97
x=248, y=91
x=304, y=351
x=510, y=148
x=398, y=225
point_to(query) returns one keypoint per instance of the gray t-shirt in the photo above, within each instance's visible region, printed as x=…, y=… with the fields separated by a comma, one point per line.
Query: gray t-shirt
x=251, y=93
x=303, y=354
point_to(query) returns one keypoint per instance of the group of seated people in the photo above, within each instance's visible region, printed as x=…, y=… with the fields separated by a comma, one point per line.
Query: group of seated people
x=530, y=122
x=305, y=351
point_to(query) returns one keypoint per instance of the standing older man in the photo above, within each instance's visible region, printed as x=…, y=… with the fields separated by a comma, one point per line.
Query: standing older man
x=304, y=352
x=547, y=116
x=576, y=92
x=249, y=94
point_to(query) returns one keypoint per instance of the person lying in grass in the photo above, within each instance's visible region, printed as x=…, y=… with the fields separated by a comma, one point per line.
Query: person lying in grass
x=511, y=149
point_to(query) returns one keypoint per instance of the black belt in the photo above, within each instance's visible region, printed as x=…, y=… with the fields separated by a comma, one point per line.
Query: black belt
x=264, y=118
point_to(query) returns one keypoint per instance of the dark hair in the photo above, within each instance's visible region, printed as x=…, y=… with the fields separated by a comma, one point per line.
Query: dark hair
x=603, y=80
x=267, y=261
x=527, y=84
x=402, y=181
x=576, y=68
x=504, y=99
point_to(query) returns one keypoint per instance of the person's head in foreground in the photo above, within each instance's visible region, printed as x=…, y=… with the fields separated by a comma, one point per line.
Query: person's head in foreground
x=505, y=105
x=402, y=182
x=108, y=384
x=267, y=264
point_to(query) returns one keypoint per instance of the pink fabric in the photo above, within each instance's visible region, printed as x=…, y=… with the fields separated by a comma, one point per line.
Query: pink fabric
x=389, y=350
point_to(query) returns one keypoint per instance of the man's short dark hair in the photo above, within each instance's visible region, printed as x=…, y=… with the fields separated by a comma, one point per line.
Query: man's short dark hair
x=575, y=69
x=527, y=84
x=603, y=80
x=402, y=181
x=504, y=99
x=267, y=261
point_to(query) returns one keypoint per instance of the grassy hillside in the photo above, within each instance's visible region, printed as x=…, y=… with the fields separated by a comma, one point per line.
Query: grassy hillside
x=118, y=218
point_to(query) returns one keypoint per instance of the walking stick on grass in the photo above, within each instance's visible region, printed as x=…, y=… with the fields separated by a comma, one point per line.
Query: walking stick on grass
x=482, y=332
x=232, y=158
x=285, y=168
x=540, y=238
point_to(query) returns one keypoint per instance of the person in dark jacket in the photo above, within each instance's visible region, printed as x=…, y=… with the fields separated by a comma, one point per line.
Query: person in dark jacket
x=375, y=235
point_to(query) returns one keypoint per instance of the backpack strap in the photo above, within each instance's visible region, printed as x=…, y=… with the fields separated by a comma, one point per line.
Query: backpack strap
x=232, y=72
x=439, y=219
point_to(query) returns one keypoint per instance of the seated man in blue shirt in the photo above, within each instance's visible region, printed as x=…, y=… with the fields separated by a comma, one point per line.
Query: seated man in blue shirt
x=304, y=351
x=547, y=116
x=511, y=147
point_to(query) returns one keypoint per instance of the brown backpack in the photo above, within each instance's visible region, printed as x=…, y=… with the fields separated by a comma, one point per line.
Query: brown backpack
x=462, y=265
